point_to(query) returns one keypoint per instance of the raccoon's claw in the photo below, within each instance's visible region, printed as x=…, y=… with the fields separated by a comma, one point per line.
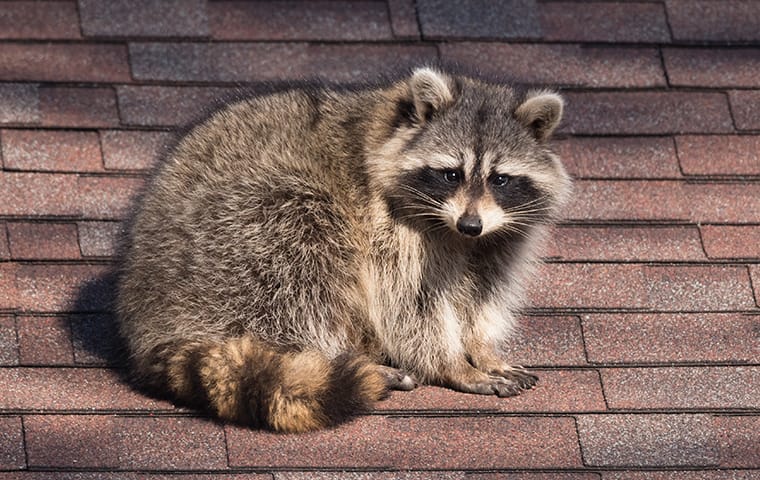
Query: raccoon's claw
x=504, y=382
x=523, y=378
x=506, y=389
x=493, y=385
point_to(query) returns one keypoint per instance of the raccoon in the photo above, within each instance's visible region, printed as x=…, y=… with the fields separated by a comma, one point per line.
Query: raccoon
x=299, y=254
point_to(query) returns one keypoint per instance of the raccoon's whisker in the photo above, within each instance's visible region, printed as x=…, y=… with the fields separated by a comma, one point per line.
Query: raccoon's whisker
x=504, y=232
x=434, y=228
x=529, y=206
x=427, y=202
x=428, y=215
x=527, y=213
x=421, y=195
x=540, y=199
x=527, y=210
x=519, y=224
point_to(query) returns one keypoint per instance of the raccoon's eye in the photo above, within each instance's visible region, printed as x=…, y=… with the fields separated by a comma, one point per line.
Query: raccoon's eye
x=500, y=180
x=451, y=176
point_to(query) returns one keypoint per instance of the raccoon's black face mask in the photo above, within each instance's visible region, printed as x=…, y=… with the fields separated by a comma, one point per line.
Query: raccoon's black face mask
x=473, y=160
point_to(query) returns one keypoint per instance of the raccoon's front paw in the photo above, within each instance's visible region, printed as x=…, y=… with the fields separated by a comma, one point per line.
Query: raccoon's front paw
x=498, y=386
x=490, y=364
x=397, y=379
x=523, y=378
x=501, y=385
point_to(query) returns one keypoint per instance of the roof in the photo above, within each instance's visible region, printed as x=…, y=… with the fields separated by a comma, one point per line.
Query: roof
x=644, y=325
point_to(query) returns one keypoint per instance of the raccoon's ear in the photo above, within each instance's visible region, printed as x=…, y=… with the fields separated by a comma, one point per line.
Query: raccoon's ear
x=431, y=91
x=541, y=113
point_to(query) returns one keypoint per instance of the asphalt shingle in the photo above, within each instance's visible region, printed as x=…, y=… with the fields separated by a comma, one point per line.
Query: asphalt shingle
x=643, y=325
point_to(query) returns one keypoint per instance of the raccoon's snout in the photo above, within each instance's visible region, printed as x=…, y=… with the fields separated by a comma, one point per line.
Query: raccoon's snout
x=470, y=225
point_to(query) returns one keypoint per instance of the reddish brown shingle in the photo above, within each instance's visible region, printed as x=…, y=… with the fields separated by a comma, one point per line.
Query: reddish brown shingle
x=706, y=20
x=681, y=388
x=107, y=198
x=626, y=243
x=64, y=62
x=256, y=62
x=19, y=103
x=740, y=440
x=657, y=113
x=588, y=285
x=31, y=194
x=722, y=241
x=727, y=202
x=546, y=341
x=560, y=64
x=12, y=455
x=44, y=341
x=627, y=200
x=653, y=338
x=648, y=440
x=148, y=105
x=68, y=440
x=745, y=107
x=171, y=444
x=713, y=67
x=615, y=21
x=70, y=389
x=61, y=151
x=698, y=288
x=8, y=291
x=619, y=157
x=58, y=288
x=125, y=18
x=8, y=341
x=43, y=241
x=404, y=19
x=300, y=20
x=507, y=19
x=5, y=252
x=99, y=239
x=39, y=20
x=133, y=150
x=719, y=154
x=643, y=327
x=398, y=443
x=79, y=107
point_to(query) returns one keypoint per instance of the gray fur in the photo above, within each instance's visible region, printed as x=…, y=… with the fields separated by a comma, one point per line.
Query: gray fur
x=273, y=218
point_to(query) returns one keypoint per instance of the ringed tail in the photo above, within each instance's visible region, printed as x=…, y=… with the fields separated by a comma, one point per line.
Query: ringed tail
x=244, y=381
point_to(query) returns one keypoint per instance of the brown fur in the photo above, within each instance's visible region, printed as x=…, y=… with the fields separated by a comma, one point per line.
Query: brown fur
x=298, y=254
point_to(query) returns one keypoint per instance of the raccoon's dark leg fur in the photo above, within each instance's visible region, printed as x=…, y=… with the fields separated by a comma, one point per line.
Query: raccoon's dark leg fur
x=244, y=381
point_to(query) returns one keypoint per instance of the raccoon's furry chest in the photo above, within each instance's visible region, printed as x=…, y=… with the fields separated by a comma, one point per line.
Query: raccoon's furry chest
x=423, y=294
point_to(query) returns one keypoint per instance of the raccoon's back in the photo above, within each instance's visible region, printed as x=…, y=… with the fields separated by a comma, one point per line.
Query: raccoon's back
x=250, y=204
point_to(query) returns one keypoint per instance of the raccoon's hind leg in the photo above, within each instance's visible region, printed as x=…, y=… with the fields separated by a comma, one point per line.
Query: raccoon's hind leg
x=242, y=380
x=397, y=379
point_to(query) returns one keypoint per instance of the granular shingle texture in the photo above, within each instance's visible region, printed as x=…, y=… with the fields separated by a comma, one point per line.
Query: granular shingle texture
x=644, y=323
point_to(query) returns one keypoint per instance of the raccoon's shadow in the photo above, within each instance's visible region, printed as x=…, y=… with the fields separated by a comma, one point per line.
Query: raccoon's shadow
x=94, y=329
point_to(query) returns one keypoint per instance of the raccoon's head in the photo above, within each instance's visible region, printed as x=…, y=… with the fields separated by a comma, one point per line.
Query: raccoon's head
x=470, y=157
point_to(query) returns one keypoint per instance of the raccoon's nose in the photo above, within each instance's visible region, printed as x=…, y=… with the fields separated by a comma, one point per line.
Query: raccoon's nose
x=470, y=225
